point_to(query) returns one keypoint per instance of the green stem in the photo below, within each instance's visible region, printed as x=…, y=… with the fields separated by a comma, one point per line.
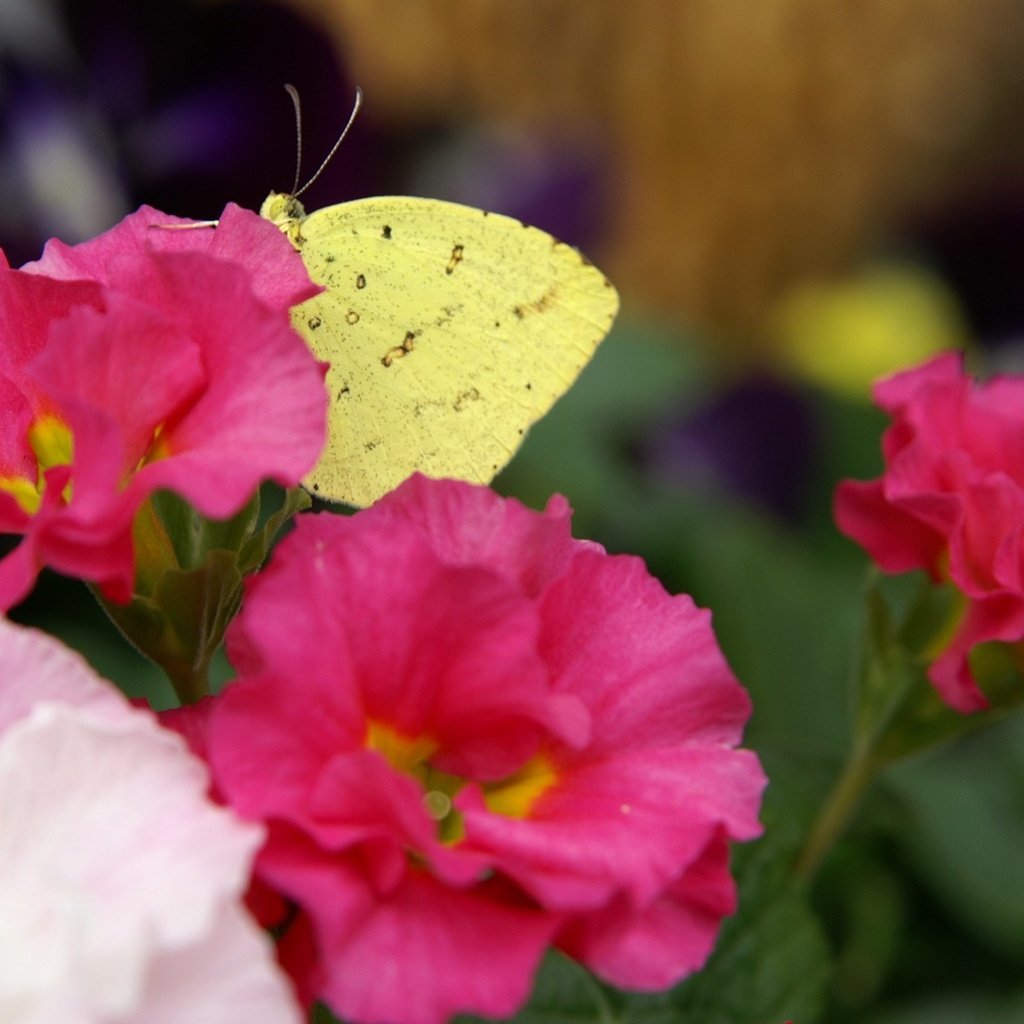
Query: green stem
x=842, y=801
x=605, y=1013
x=191, y=683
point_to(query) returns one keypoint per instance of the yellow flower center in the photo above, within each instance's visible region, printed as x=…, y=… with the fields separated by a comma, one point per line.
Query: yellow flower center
x=512, y=797
x=515, y=796
x=159, y=447
x=51, y=440
x=53, y=444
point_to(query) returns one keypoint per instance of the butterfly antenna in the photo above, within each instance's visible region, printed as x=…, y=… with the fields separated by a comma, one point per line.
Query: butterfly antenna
x=293, y=93
x=334, y=149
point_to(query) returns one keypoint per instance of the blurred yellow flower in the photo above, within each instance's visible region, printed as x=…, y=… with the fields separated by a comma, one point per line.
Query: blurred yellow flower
x=845, y=334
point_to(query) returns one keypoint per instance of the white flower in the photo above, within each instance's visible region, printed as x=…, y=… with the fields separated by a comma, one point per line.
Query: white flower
x=120, y=880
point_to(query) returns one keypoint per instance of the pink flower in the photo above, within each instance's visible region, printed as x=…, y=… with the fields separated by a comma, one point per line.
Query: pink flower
x=472, y=736
x=147, y=359
x=118, y=876
x=951, y=501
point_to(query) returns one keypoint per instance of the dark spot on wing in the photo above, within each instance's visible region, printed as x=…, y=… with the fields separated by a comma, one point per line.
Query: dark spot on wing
x=408, y=343
x=537, y=306
x=351, y=317
x=464, y=398
x=455, y=259
x=314, y=322
x=360, y=280
x=385, y=232
x=447, y=315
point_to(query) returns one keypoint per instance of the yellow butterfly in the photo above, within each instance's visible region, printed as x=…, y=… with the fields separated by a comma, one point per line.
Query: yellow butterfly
x=448, y=330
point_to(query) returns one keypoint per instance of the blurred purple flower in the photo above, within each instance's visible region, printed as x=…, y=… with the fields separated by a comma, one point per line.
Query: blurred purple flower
x=561, y=186
x=175, y=103
x=757, y=440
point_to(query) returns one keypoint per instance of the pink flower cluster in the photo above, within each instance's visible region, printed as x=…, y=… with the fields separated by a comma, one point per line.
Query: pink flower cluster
x=951, y=501
x=470, y=737
x=147, y=358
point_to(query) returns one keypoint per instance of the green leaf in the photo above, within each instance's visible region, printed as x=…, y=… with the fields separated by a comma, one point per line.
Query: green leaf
x=253, y=553
x=961, y=821
x=189, y=583
x=321, y=1015
x=956, y=1008
x=193, y=535
x=181, y=624
x=579, y=448
x=899, y=711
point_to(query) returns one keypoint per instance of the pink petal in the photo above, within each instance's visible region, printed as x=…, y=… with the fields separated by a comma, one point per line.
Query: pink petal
x=485, y=676
x=469, y=525
x=262, y=414
x=131, y=363
x=29, y=305
x=669, y=939
x=279, y=277
x=228, y=977
x=625, y=824
x=424, y=952
x=896, y=540
x=16, y=457
x=646, y=664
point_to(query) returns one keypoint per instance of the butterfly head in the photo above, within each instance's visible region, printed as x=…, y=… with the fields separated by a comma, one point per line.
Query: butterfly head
x=286, y=212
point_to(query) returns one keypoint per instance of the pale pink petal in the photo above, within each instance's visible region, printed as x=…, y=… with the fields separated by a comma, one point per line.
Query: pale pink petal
x=37, y=670
x=112, y=859
x=227, y=978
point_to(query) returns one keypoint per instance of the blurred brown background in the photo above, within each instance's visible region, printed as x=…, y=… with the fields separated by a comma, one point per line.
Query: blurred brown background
x=711, y=154
x=751, y=143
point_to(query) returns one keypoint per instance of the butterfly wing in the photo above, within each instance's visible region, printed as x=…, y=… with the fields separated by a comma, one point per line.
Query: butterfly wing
x=449, y=331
